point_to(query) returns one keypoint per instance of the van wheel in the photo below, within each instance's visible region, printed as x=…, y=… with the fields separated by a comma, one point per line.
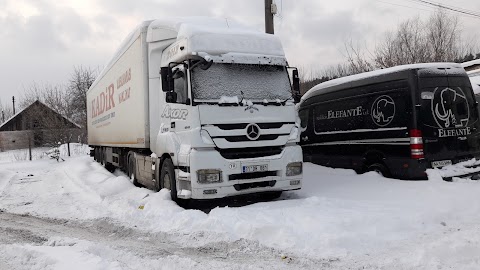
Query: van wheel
x=131, y=172
x=380, y=169
x=167, y=178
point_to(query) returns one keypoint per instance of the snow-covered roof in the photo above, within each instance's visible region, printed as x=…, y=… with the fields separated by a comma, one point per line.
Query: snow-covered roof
x=210, y=37
x=377, y=73
x=204, y=35
x=471, y=63
x=188, y=26
x=39, y=102
x=475, y=84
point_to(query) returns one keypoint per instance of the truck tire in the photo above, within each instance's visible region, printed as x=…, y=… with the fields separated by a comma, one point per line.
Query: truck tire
x=380, y=169
x=167, y=178
x=109, y=167
x=131, y=171
x=102, y=157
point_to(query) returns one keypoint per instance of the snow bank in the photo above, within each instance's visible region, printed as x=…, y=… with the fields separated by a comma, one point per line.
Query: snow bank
x=336, y=214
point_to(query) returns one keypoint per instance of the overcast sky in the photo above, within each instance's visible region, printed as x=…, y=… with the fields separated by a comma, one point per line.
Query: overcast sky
x=42, y=40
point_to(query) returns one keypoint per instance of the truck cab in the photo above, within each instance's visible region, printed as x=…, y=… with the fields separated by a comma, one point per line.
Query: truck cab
x=221, y=112
x=228, y=111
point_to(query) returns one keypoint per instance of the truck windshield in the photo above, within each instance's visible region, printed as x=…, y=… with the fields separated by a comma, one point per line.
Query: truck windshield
x=256, y=82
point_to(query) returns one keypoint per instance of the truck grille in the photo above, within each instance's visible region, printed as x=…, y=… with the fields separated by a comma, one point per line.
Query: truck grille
x=246, y=139
x=255, y=135
x=239, y=187
x=254, y=152
x=254, y=175
x=244, y=125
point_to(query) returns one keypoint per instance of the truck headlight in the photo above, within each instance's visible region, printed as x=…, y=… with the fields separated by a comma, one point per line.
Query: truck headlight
x=209, y=176
x=294, y=168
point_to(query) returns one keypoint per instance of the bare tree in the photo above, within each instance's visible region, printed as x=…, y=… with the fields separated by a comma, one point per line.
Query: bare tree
x=356, y=59
x=80, y=81
x=437, y=39
x=6, y=112
x=54, y=96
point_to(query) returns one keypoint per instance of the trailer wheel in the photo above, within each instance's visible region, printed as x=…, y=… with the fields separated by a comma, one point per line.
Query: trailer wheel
x=380, y=169
x=131, y=171
x=102, y=156
x=167, y=178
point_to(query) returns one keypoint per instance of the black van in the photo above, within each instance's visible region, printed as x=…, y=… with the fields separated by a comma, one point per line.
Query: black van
x=398, y=121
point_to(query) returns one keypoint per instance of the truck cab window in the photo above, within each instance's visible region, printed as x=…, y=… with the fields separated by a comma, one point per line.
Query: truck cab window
x=180, y=87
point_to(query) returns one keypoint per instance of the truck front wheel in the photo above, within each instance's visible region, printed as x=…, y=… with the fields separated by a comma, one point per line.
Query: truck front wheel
x=167, y=178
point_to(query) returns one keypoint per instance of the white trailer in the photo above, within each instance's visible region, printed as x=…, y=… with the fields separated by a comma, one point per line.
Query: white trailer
x=200, y=107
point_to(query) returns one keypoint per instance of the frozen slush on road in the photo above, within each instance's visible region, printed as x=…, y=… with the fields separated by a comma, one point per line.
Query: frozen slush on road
x=78, y=210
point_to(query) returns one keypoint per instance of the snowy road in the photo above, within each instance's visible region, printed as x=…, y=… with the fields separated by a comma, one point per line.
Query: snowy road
x=76, y=215
x=30, y=242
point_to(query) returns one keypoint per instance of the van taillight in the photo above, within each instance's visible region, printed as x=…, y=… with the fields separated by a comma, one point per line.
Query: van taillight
x=416, y=144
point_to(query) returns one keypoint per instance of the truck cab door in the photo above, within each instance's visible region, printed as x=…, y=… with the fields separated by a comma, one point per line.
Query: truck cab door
x=177, y=104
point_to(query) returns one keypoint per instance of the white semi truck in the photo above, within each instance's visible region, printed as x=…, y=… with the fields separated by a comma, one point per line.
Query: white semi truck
x=200, y=107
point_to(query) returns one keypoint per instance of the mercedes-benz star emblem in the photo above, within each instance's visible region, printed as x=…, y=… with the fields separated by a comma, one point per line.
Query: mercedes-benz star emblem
x=253, y=131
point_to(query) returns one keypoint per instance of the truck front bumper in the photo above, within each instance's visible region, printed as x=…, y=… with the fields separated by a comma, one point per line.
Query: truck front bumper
x=235, y=181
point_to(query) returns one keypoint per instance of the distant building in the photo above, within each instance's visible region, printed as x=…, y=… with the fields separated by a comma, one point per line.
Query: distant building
x=37, y=125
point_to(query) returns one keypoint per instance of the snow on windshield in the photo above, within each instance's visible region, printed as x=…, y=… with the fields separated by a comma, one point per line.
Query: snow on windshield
x=257, y=82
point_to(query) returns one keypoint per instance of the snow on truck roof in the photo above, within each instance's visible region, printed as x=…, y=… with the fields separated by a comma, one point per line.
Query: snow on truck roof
x=322, y=87
x=218, y=35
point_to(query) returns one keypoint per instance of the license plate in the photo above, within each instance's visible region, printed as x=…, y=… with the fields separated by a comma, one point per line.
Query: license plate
x=254, y=168
x=441, y=163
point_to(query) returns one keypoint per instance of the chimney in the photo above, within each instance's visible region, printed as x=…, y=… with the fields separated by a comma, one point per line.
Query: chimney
x=13, y=100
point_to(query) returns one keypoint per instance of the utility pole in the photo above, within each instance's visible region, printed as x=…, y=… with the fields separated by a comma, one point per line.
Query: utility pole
x=270, y=10
x=13, y=100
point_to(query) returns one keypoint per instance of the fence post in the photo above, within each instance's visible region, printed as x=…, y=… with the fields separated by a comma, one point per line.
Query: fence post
x=29, y=146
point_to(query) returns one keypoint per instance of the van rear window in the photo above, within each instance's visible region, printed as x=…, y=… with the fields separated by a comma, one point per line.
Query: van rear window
x=447, y=106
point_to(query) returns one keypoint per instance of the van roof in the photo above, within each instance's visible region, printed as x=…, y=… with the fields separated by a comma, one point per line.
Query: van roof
x=367, y=77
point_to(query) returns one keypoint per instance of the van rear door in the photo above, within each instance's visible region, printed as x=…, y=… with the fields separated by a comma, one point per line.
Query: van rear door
x=448, y=116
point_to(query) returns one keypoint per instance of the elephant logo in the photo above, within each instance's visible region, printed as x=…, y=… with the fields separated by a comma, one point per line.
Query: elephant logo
x=383, y=110
x=450, y=108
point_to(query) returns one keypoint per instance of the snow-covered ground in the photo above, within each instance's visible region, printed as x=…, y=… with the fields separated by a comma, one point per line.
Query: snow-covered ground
x=76, y=215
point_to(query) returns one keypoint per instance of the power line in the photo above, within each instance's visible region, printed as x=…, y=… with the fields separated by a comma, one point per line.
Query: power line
x=405, y=6
x=430, y=4
x=449, y=7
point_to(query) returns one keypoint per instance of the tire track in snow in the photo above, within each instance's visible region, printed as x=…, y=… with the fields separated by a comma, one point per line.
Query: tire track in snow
x=16, y=230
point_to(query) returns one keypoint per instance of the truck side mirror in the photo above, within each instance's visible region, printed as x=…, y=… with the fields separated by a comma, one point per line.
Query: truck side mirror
x=296, y=86
x=167, y=79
